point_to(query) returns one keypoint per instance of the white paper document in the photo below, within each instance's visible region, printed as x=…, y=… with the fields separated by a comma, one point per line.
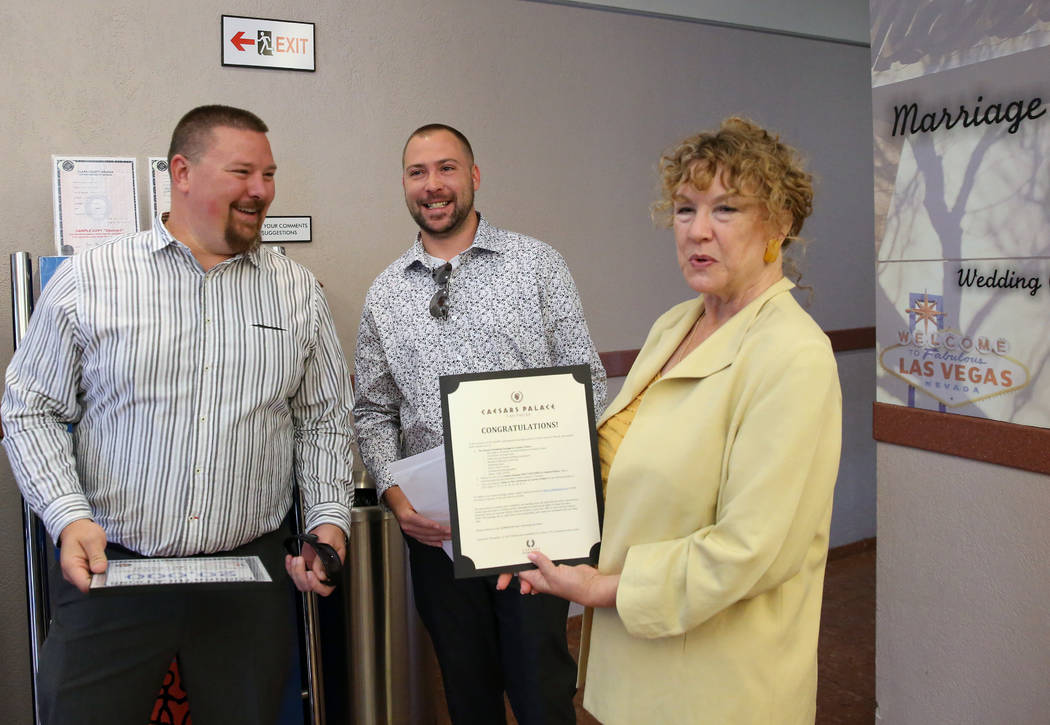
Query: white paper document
x=522, y=450
x=188, y=570
x=422, y=479
x=95, y=200
x=159, y=187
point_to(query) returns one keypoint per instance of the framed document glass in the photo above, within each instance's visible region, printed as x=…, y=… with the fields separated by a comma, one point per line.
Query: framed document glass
x=159, y=186
x=95, y=200
x=211, y=572
x=521, y=455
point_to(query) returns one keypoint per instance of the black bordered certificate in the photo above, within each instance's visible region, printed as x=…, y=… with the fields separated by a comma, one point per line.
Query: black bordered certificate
x=521, y=455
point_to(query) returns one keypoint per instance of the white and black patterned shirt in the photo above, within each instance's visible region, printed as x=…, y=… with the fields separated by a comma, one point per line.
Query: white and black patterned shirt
x=197, y=398
x=512, y=305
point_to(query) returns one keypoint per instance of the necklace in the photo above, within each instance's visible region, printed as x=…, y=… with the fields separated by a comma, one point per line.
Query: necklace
x=684, y=347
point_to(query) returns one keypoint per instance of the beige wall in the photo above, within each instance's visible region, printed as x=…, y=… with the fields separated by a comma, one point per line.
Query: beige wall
x=568, y=110
x=962, y=620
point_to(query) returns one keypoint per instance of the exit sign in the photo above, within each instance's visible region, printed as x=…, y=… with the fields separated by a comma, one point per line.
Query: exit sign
x=265, y=43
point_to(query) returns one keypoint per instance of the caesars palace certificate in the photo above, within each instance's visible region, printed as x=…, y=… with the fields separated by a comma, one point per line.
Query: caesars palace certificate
x=521, y=455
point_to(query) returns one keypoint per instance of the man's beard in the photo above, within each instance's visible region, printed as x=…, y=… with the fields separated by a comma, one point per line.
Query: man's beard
x=240, y=242
x=454, y=222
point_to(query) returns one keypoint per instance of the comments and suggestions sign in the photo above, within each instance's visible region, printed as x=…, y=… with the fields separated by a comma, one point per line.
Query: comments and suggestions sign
x=282, y=229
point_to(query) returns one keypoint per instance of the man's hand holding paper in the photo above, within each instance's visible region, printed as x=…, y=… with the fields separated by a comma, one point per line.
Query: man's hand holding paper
x=419, y=499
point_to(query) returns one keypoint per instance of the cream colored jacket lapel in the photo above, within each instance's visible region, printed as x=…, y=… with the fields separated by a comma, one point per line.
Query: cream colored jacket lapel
x=717, y=352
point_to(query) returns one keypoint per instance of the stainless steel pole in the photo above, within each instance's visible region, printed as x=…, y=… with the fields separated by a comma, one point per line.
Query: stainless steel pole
x=367, y=617
x=36, y=572
x=314, y=693
x=21, y=293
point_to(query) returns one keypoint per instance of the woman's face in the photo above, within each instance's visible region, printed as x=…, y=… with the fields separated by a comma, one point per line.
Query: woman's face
x=721, y=238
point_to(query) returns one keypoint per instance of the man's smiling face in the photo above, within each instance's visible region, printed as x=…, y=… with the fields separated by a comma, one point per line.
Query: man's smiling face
x=230, y=187
x=439, y=181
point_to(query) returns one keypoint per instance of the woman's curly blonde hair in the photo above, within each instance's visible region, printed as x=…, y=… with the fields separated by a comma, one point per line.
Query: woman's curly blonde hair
x=751, y=161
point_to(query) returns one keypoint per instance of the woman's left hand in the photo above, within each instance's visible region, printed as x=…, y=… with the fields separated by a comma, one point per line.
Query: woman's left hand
x=581, y=583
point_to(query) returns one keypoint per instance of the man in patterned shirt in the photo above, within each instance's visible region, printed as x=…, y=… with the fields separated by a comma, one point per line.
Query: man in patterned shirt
x=466, y=297
x=203, y=375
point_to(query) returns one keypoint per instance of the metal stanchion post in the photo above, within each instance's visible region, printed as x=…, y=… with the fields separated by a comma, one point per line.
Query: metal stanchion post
x=314, y=693
x=366, y=607
x=384, y=641
x=35, y=559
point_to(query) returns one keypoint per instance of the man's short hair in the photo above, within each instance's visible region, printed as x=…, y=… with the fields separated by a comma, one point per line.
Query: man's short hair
x=433, y=127
x=193, y=132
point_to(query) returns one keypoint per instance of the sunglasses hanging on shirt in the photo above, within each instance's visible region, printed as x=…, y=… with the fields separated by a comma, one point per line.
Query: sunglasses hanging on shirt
x=439, y=302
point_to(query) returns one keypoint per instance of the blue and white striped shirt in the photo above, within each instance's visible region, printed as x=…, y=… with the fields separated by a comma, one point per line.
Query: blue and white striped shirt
x=197, y=398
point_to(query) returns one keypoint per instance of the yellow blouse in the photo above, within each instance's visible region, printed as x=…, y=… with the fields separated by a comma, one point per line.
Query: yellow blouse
x=612, y=432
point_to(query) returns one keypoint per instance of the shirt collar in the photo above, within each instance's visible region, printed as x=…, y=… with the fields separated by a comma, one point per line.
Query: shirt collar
x=487, y=238
x=163, y=238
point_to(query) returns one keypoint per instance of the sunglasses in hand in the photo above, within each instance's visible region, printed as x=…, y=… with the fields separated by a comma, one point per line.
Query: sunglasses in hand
x=325, y=552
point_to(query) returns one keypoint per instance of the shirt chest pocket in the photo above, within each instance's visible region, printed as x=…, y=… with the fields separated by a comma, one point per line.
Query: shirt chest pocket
x=269, y=357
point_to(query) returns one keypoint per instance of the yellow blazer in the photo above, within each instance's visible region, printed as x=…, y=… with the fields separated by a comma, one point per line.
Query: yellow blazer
x=716, y=518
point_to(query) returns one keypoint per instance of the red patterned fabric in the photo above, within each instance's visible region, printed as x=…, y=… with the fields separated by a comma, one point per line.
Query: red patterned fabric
x=173, y=704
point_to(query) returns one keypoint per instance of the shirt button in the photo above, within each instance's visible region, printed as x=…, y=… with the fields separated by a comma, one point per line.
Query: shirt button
x=202, y=418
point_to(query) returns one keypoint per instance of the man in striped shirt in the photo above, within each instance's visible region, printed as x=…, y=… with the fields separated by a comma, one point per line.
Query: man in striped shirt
x=203, y=378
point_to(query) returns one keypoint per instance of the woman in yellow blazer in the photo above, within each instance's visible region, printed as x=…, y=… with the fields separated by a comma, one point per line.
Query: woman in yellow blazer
x=720, y=455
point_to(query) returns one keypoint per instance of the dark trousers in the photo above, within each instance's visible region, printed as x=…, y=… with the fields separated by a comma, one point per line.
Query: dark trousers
x=105, y=655
x=489, y=641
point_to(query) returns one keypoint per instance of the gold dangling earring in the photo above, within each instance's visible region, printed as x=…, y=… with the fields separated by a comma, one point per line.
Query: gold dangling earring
x=772, y=251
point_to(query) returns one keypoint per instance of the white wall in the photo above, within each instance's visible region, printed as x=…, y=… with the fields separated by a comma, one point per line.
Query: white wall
x=853, y=517
x=963, y=584
x=568, y=110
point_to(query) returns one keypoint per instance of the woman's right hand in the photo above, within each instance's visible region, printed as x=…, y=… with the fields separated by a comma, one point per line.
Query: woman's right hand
x=581, y=583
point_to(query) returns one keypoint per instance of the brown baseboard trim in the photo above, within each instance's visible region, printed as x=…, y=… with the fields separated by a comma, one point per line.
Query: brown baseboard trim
x=854, y=338
x=618, y=362
x=851, y=549
x=992, y=441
